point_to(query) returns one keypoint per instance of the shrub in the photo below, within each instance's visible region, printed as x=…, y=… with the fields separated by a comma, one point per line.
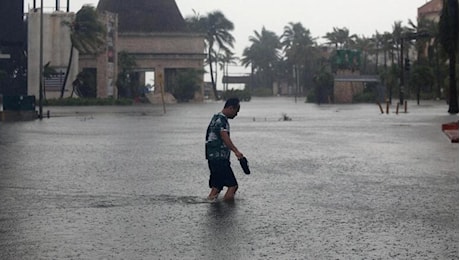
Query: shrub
x=243, y=95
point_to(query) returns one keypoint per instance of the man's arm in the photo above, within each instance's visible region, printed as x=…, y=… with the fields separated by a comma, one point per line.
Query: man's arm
x=228, y=142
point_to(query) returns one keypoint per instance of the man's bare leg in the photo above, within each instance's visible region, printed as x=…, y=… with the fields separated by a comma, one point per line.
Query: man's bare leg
x=230, y=194
x=213, y=194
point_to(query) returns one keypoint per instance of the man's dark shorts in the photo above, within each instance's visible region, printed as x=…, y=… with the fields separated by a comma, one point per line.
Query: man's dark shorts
x=221, y=174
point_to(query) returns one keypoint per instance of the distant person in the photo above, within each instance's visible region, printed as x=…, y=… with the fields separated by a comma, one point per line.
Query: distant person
x=218, y=149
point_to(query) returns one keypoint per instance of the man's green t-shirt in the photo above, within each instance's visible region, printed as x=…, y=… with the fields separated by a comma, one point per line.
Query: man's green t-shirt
x=215, y=147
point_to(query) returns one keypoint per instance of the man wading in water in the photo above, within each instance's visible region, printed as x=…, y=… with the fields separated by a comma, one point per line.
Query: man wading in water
x=218, y=148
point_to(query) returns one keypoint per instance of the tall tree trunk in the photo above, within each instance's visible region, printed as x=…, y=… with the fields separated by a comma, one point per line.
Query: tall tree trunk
x=438, y=73
x=453, y=92
x=213, y=83
x=377, y=61
x=216, y=72
x=252, y=79
x=66, y=77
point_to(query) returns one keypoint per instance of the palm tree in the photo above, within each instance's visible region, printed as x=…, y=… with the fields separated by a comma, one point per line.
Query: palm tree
x=364, y=45
x=224, y=60
x=298, y=46
x=389, y=47
x=448, y=36
x=262, y=55
x=297, y=43
x=399, y=35
x=399, y=31
x=340, y=37
x=388, y=75
x=216, y=28
x=376, y=44
x=87, y=35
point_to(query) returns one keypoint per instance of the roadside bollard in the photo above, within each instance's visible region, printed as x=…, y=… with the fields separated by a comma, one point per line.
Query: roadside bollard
x=388, y=107
x=405, y=106
x=397, y=108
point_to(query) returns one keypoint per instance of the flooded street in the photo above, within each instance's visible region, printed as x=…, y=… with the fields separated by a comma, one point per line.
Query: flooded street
x=335, y=182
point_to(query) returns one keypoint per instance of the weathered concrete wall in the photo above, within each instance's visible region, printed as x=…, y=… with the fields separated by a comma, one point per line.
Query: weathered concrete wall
x=165, y=43
x=56, y=51
x=344, y=91
x=165, y=50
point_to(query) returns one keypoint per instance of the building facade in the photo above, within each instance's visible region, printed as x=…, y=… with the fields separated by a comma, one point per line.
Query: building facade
x=155, y=34
x=431, y=10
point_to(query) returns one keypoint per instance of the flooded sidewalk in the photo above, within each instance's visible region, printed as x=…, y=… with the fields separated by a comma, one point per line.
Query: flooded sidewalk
x=334, y=182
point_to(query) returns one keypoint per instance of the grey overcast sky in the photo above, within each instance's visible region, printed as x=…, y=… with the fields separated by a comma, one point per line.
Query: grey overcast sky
x=361, y=17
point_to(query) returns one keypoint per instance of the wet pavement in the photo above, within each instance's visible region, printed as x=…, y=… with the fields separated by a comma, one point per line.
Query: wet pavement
x=335, y=182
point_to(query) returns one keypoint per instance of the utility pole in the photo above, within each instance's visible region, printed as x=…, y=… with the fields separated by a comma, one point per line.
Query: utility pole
x=296, y=78
x=40, y=99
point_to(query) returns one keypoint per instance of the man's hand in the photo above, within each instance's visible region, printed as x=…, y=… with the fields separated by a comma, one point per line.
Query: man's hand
x=239, y=155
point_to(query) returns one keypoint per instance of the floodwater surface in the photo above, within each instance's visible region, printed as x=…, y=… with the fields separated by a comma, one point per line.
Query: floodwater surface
x=334, y=182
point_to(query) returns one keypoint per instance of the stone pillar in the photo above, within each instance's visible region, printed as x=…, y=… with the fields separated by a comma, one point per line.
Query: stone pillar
x=159, y=79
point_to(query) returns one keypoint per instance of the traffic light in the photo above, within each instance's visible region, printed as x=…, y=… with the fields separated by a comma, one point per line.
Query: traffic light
x=407, y=64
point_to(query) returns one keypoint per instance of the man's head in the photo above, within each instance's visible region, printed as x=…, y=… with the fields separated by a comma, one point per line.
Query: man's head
x=231, y=107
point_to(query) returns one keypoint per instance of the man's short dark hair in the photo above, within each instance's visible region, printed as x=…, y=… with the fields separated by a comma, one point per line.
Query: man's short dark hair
x=232, y=102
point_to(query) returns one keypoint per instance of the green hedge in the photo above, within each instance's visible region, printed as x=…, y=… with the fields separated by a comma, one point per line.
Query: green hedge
x=88, y=102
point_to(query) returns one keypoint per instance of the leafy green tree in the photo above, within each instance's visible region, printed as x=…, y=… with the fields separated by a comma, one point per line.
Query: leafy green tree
x=13, y=71
x=87, y=35
x=421, y=78
x=85, y=85
x=429, y=47
x=324, y=85
x=448, y=35
x=126, y=81
x=187, y=82
x=390, y=78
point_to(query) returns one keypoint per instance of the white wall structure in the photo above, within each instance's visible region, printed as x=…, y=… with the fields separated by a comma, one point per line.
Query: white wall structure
x=56, y=51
